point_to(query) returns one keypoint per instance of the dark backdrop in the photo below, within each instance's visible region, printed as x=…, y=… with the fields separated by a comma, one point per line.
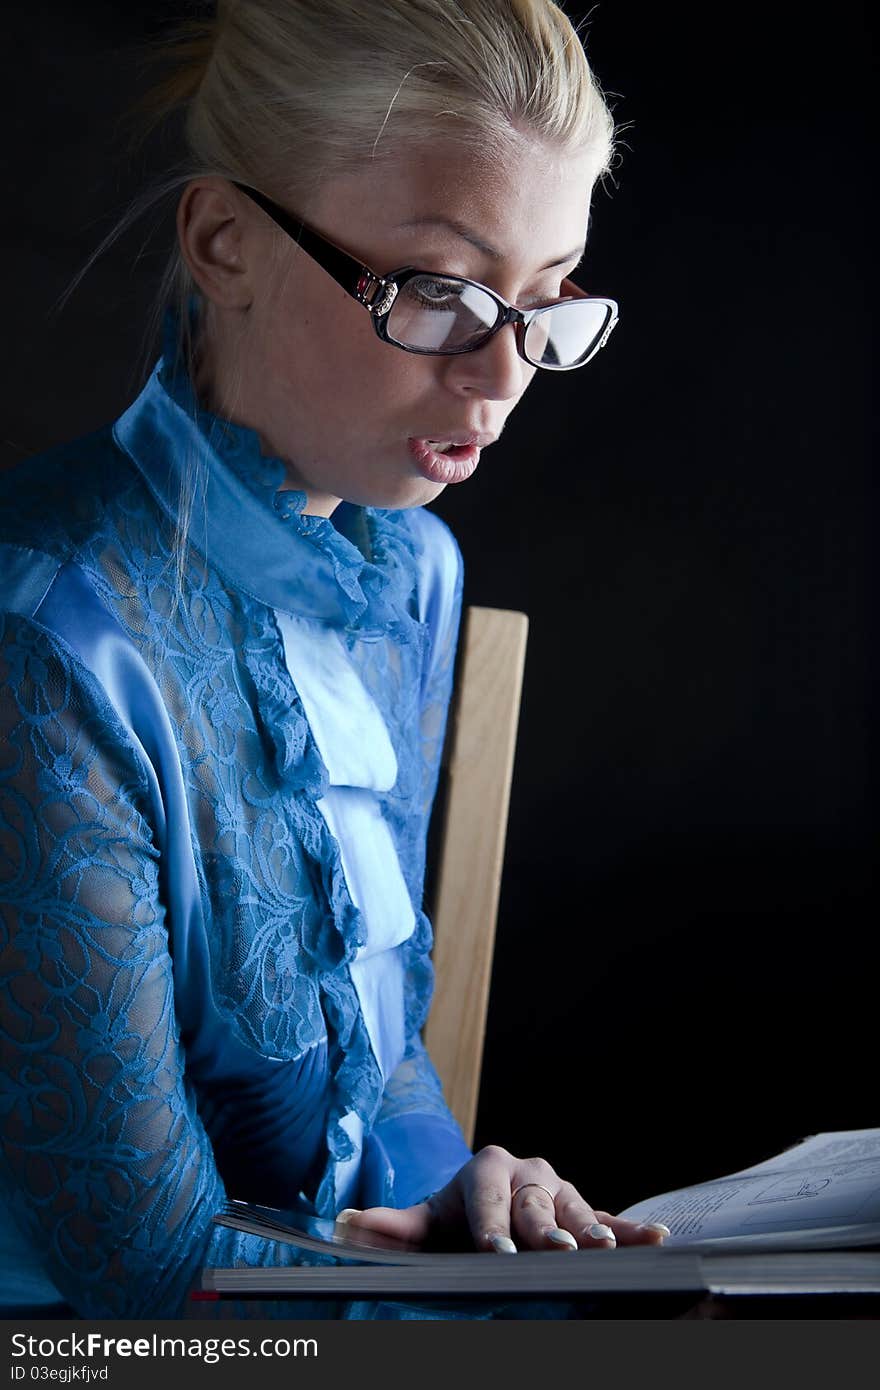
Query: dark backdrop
x=686, y=970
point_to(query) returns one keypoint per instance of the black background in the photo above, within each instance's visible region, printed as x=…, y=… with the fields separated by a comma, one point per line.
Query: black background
x=686, y=968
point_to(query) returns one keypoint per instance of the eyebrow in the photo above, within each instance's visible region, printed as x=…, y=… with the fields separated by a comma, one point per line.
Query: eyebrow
x=462, y=230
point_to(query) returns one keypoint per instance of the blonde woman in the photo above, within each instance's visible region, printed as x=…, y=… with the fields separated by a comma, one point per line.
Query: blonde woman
x=226, y=645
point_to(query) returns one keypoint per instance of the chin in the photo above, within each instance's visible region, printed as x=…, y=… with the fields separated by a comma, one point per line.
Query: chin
x=399, y=496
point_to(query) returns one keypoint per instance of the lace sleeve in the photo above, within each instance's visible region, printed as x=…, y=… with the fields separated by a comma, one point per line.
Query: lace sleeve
x=105, y=1166
x=424, y=1142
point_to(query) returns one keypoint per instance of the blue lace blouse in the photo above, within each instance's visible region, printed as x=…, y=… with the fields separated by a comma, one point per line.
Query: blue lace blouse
x=216, y=773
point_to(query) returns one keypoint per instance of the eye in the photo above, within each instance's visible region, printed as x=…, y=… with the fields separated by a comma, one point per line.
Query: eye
x=434, y=293
x=547, y=296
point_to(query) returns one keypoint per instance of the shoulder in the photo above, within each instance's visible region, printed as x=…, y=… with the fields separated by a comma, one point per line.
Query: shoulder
x=440, y=568
x=66, y=664
x=58, y=500
x=52, y=690
x=433, y=534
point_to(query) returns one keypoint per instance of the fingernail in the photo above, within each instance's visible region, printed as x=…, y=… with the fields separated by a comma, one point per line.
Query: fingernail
x=502, y=1245
x=346, y=1215
x=561, y=1237
x=655, y=1226
x=600, y=1232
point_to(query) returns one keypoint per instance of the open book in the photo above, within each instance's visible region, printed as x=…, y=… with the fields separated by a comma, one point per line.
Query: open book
x=824, y=1193
x=800, y=1217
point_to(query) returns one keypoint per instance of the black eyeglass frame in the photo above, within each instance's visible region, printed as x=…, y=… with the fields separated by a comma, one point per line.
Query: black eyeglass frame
x=377, y=293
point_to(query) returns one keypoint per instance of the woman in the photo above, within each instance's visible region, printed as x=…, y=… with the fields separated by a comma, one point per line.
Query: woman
x=227, y=642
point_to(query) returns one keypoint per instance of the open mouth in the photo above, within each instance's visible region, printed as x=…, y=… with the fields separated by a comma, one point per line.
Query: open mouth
x=443, y=460
x=455, y=451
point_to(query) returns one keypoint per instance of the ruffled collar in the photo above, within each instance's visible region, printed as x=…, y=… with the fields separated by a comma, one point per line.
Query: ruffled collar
x=356, y=571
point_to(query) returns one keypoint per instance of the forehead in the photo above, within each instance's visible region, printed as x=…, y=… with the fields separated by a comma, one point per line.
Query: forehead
x=529, y=202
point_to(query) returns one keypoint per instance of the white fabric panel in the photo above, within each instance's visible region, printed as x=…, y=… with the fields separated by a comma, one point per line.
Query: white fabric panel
x=345, y=721
x=371, y=866
x=354, y=744
x=379, y=984
x=356, y=749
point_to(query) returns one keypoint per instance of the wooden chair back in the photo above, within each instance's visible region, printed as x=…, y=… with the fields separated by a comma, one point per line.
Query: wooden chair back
x=478, y=765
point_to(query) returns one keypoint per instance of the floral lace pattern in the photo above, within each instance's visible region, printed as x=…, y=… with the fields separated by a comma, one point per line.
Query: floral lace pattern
x=107, y=1161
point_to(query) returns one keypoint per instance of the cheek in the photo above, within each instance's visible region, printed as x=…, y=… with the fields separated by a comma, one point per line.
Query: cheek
x=313, y=345
x=319, y=345
x=303, y=312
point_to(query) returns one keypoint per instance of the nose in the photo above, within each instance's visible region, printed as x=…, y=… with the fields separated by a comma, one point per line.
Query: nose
x=494, y=371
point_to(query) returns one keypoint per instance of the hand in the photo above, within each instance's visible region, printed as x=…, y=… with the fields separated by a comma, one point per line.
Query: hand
x=503, y=1204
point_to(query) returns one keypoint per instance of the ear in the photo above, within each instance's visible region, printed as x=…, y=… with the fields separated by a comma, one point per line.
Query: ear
x=216, y=242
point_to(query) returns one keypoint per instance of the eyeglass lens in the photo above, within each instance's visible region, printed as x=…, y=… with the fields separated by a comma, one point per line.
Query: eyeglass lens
x=438, y=315
x=565, y=334
x=433, y=314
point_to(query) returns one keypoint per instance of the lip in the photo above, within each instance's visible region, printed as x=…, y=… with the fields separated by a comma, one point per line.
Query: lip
x=453, y=467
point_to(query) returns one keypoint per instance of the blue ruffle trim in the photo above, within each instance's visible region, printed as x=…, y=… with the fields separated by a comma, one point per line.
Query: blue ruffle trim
x=376, y=588
x=330, y=940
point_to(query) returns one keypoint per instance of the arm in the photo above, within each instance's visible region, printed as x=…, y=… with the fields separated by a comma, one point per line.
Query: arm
x=415, y=1127
x=418, y=1134
x=487, y=1198
x=105, y=1164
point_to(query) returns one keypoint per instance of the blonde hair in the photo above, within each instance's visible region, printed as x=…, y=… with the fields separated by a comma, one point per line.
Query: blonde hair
x=285, y=94
x=290, y=92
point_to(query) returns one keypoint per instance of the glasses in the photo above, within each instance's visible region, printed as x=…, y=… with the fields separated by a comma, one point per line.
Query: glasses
x=443, y=315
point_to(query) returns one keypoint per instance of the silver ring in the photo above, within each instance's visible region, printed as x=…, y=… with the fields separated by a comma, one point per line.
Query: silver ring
x=533, y=1184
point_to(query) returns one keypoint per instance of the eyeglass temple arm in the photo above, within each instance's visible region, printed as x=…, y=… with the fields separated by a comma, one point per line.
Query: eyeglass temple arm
x=344, y=269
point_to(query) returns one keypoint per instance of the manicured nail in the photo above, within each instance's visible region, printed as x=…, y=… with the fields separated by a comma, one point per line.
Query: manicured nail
x=502, y=1245
x=655, y=1226
x=600, y=1232
x=346, y=1215
x=561, y=1237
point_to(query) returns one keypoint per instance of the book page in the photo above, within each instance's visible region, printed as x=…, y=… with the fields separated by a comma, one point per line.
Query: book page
x=843, y=1145
x=828, y=1182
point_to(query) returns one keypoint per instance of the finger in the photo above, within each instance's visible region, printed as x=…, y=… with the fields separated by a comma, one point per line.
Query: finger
x=589, y=1227
x=485, y=1187
x=633, y=1232
x=533, y=1217
x=405, y=1223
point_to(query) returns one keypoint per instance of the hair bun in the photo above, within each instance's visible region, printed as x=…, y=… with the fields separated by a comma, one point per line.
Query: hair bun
x=182, y=59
